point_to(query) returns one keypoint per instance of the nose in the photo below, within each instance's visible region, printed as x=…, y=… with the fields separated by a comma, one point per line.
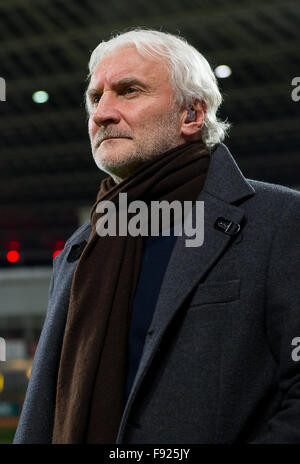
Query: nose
x=106, y=112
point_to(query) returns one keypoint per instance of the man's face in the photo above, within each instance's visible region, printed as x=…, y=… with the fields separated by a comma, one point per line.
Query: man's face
x=133, y=114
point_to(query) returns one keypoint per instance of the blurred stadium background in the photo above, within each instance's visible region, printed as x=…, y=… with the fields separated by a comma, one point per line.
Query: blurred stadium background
x=48, y=179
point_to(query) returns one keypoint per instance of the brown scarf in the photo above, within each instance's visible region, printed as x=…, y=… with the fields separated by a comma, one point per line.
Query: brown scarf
x=92, y=370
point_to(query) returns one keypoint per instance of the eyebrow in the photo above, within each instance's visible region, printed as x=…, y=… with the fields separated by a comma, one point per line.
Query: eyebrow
x=125, y=81
x=119, y=83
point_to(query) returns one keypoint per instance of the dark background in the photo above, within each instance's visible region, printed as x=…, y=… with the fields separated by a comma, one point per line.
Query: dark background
x=47, y=172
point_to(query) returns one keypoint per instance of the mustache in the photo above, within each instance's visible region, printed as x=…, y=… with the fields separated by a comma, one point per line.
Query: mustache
x=105, y=133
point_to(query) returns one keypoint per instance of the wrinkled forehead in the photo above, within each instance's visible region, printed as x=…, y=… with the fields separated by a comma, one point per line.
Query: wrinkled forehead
x=128, y=61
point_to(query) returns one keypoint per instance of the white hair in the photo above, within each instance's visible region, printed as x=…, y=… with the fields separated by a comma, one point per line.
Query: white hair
x=190, y=73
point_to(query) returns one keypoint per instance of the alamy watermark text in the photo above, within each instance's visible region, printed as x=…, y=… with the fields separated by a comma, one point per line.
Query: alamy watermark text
x=296, y=91
x=160, y=218
x=2, y=89
x=2, y=349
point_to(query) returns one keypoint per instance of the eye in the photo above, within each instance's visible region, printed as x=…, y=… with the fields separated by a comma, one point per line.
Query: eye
x=95, y=99
x=130, y=90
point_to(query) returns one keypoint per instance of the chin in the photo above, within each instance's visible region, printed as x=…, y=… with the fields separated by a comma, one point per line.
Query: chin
x=118, y=170
x=107, y=164
x=111, y=157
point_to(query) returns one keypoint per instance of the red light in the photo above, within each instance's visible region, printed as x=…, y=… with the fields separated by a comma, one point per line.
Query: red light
x=13, y=256
x=59, y=246
x=55, y=253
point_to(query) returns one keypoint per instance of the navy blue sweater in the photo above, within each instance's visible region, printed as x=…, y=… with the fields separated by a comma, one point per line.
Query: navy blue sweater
x=155, y=258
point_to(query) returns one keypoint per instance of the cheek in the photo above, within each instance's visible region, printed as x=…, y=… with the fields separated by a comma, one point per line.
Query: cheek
x=143, y=119
x=160, y=109
x=92, y=128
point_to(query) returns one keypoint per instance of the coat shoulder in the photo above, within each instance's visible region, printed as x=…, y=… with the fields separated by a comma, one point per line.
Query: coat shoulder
x=276, y=195
x=80, y=234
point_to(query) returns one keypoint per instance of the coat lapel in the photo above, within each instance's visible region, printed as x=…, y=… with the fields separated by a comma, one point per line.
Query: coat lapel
x=225, y=185
x=188, y=266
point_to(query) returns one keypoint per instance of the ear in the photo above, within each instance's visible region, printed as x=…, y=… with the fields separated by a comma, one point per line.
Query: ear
x=193, y=120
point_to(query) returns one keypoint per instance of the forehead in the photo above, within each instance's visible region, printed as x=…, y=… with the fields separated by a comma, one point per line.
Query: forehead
x=125, y=62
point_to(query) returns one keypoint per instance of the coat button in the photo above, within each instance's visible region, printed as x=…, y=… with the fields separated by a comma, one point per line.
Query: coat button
x=227, y=226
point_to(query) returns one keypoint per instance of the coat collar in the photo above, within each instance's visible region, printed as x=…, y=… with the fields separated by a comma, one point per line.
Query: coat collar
x=224, y=178
x=225, y=188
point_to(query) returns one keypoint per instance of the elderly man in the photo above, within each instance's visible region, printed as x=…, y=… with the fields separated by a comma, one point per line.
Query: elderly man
x=147, y=340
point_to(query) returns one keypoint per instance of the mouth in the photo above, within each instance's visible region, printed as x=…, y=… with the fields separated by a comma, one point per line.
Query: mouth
x=109, y=138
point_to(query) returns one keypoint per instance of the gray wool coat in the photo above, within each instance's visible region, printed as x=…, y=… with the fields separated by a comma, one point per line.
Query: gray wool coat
x=219, y=363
